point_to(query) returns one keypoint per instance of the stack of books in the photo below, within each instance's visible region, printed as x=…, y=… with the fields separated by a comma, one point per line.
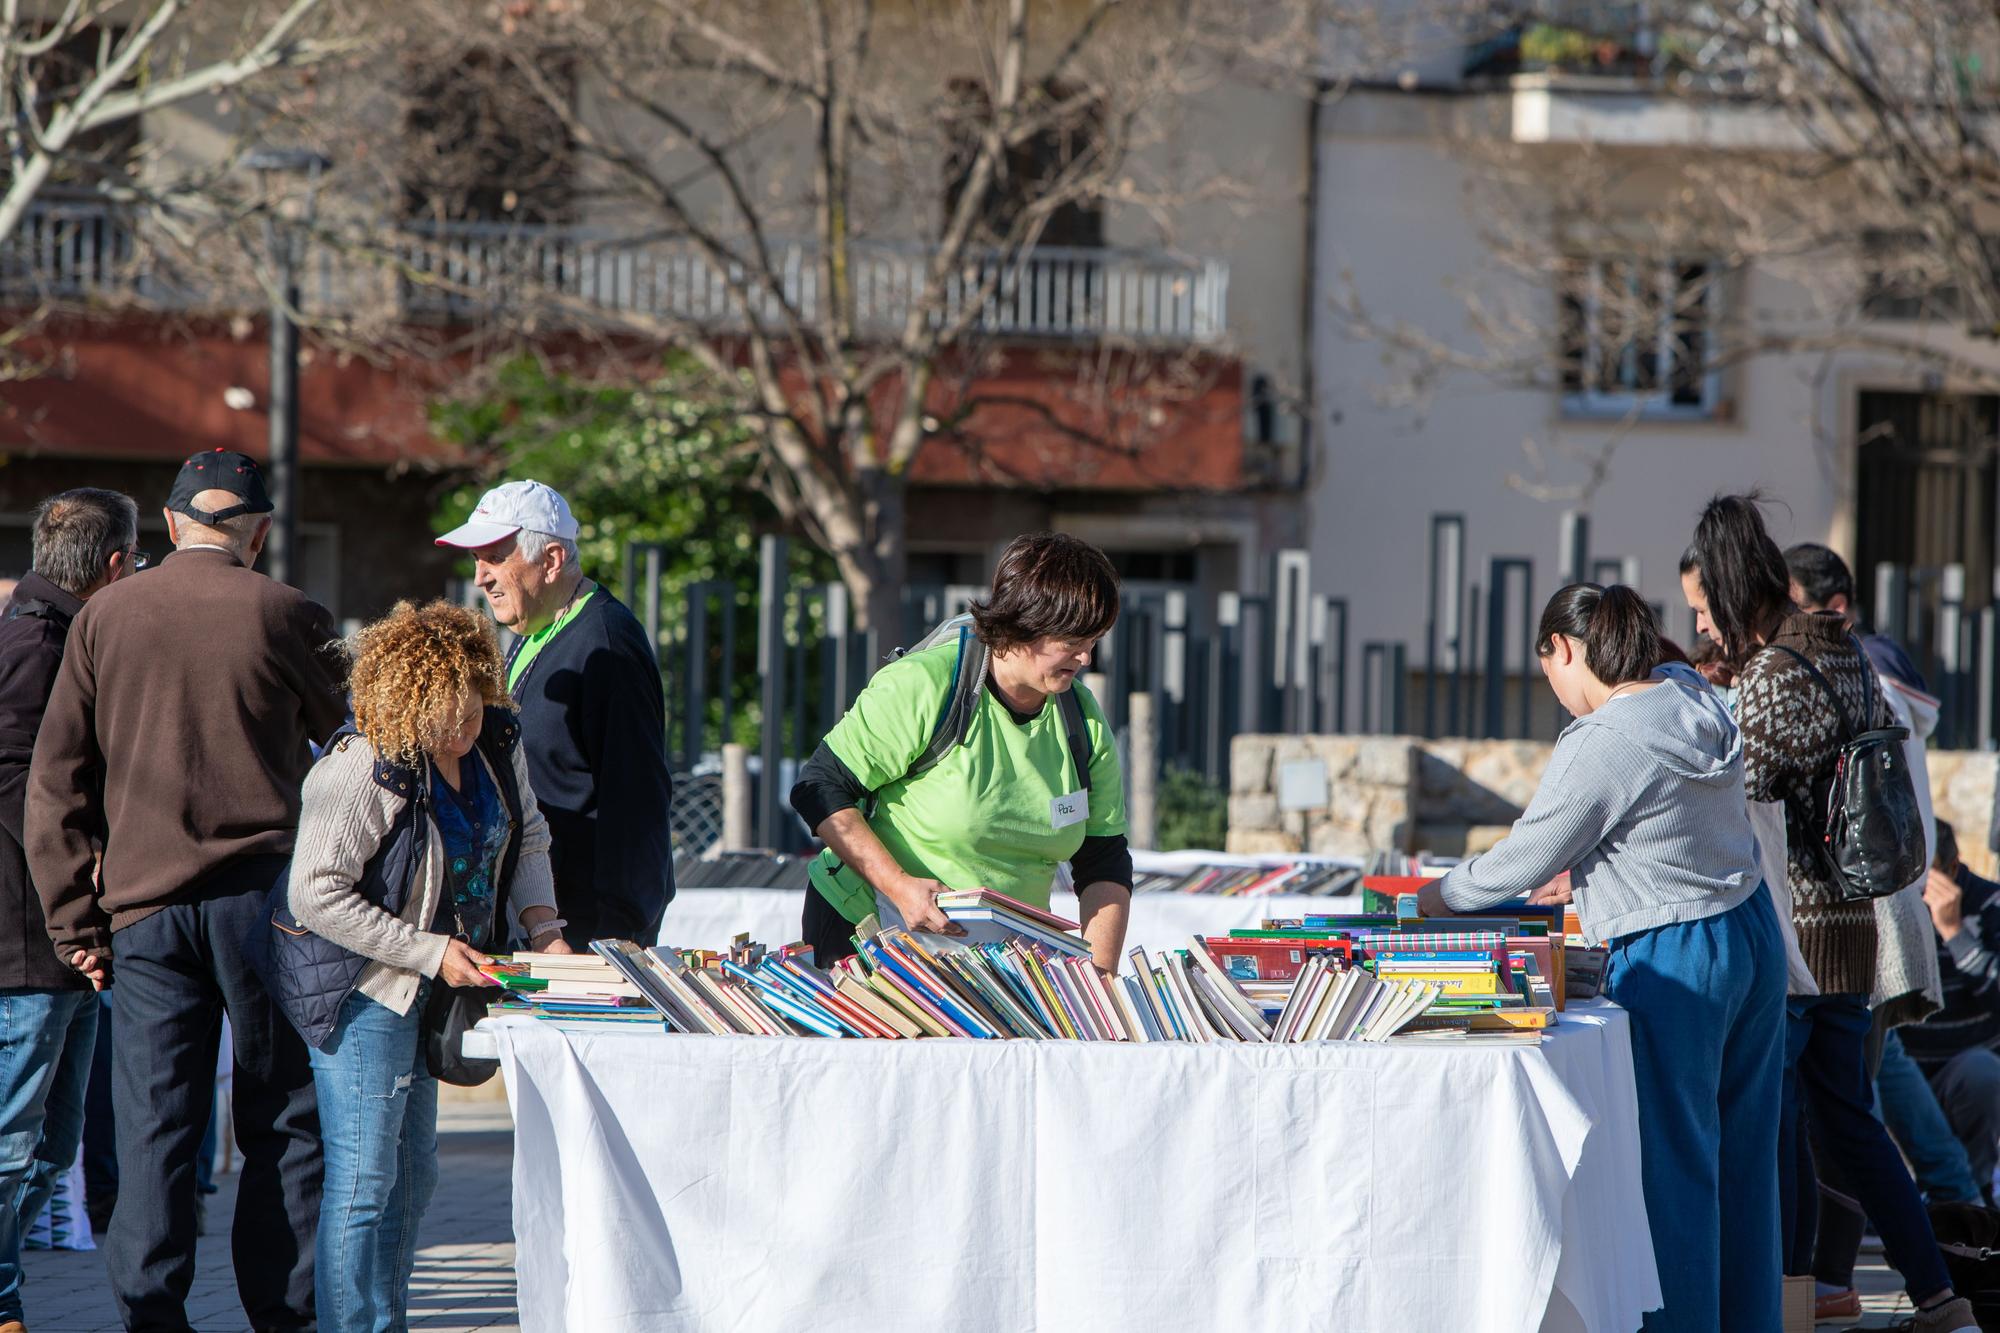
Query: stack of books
x=573, y=986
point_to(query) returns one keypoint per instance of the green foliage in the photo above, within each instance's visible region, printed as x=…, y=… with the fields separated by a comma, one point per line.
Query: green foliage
x=1544, y=44
x=659, y=462
x=669, y=460
x=1192, y=811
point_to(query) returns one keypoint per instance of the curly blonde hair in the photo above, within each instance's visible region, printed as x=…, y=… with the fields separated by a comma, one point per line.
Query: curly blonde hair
x=413, y=666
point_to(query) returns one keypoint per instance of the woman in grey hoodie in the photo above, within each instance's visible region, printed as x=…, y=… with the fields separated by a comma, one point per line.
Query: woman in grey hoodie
x=1642, y=803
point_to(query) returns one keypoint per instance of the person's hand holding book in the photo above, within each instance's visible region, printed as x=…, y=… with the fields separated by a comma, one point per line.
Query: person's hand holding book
x=916, y=899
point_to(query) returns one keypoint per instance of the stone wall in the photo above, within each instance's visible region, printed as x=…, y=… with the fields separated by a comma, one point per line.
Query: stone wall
x=1371, y=795
x=1456, y=797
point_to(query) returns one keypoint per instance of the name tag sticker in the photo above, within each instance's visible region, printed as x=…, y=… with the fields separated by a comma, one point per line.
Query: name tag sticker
x=1071, y=809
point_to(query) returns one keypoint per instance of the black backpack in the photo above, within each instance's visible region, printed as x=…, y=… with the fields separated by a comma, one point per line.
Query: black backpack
x=961, y=701
x=1872, y=832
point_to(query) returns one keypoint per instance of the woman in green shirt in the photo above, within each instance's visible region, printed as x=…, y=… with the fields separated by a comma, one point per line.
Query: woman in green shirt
x=1004, y=808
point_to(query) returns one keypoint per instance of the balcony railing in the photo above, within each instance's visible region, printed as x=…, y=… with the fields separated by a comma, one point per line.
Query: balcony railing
x=462, y=271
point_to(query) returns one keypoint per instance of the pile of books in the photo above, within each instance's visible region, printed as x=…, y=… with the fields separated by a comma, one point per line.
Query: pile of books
x=572, y=986
x=1024, y=973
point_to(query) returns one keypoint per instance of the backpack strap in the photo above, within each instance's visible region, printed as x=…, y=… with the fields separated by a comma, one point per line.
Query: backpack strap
x=1826, y=688
x=961, y=703
x=1077, y=728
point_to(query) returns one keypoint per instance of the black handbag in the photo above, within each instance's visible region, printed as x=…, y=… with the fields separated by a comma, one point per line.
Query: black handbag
x=1968, y=1236
x=449, y=1013
x=1872, y=832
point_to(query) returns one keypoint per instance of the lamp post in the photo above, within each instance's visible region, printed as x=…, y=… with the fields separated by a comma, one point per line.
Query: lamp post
x=272, y=165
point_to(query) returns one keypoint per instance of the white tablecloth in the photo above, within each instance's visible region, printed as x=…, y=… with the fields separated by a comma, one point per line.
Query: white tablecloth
x=671, y=1182
x=707, y=918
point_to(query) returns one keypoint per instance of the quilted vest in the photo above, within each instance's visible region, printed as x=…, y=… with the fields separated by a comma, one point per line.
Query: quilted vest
x=310, y=977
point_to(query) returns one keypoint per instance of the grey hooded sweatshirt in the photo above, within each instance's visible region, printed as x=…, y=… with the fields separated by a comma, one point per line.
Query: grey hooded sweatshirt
x=1643, y=804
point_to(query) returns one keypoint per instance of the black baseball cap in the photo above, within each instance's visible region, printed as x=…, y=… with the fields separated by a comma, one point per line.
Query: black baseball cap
x=220, y=470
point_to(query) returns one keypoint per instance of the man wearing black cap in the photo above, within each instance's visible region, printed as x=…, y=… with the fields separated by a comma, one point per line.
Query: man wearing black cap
x=177, y=740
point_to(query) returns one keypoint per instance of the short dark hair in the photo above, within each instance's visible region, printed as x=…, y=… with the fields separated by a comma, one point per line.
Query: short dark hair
x=1820, y=573
x=77, y=531
x=1048, y=585
x=1946, y=851
x=1742, y=571
x=1621, y=640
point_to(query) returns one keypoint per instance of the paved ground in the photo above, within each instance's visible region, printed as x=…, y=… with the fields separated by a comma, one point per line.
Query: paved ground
x=465, y=1262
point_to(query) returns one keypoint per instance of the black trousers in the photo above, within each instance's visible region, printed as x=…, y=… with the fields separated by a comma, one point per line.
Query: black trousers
x=830, y=934
x=176, y=973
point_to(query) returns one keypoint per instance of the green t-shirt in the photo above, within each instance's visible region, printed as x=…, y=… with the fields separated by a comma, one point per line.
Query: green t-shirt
x=984, y=815
x=532, y=644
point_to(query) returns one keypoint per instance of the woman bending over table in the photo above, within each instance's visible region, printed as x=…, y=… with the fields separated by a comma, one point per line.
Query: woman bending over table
x=1004, y=808
x=1642, y=803
x=413, y=897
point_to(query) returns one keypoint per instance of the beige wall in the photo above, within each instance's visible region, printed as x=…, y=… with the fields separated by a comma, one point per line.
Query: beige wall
x=1401, y=217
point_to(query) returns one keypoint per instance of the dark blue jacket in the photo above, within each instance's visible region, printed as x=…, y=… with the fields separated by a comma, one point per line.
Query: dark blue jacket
x=310, y=977
x=593, y=722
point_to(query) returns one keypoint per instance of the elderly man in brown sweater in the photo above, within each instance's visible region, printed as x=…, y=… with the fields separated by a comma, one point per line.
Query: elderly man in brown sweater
x=176, y=741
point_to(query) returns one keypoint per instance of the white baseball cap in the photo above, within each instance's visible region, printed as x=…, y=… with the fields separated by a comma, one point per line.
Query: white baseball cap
x=505, y=510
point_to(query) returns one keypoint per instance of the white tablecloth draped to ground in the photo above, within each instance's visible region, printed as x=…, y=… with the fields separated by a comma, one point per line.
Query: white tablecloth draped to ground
x=671, y=1182
x=708, y=918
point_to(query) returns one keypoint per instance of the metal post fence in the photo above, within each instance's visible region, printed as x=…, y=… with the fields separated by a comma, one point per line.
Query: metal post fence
x=771, y=673
x=1444, y=631
x=1502, y=572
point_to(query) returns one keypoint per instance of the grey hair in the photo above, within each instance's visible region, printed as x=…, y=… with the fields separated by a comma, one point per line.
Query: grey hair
x=531, y=544
x=77, y=531
x=236, y=532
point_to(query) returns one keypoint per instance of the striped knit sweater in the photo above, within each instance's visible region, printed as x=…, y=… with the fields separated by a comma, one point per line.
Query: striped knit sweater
x=1791, y=743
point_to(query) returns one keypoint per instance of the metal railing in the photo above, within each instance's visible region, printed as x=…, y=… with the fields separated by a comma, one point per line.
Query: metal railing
x=68, y=252
x=459, y=269
x=466, y=270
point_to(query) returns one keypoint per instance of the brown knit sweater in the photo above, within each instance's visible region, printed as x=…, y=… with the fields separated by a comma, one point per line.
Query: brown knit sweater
x=1791, y=744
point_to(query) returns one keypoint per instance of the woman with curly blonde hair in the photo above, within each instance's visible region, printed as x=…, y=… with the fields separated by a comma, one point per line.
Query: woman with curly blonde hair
x=419, y=845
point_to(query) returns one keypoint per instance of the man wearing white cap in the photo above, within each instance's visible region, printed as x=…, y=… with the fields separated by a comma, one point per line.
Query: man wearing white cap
x=593, y=717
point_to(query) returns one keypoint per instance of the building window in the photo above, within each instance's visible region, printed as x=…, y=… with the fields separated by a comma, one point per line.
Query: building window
x=1638, y=338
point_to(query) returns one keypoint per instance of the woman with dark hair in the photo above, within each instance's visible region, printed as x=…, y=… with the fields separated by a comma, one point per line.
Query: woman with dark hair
x=1004, y=807
x=1736, y=582
x=1642, y=802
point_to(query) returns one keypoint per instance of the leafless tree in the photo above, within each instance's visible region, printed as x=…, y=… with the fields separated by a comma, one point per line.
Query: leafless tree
x=77, y=77
x=837, y=194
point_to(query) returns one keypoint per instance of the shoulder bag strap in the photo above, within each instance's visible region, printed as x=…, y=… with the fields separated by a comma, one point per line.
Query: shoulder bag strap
x=1826, y=688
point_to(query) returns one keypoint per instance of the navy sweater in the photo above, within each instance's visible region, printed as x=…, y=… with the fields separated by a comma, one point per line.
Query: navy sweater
x=593, y=724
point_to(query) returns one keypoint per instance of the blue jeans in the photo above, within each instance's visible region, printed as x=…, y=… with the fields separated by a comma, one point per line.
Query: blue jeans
x=378, y=1120
x=1918, y=1125
x=1707, y=1000
x=46, y=1042
x=1826, y=1078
